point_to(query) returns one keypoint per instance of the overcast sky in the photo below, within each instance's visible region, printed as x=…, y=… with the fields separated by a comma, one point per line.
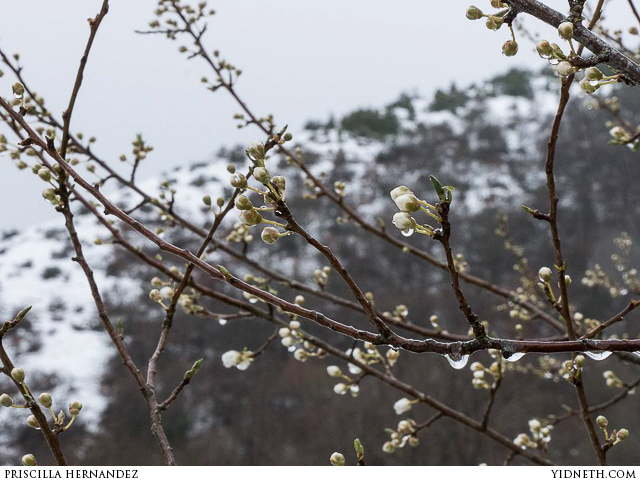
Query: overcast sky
x=301, y=60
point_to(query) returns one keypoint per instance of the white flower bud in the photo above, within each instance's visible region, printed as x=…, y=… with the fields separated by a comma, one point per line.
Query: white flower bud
x=334, y=371
x=270, y=235
x=301, y=355
x=402, y=406
x=294, y=325
x=340, y=388
x=167, y=292
x=261, y=175
x=154, y=295
x=44, y=174
x=284, y=332
x=288, y=341
x=534, y=425
x=622, y=434
x=388, y=447
x=404, y=221
x=407, y=203
x=398, y=191
x=231, y=358
x=299, y=300
x=337, y=459
x=29, y=460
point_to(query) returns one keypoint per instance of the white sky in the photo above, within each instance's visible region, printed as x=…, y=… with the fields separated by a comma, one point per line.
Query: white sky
x=301, y=60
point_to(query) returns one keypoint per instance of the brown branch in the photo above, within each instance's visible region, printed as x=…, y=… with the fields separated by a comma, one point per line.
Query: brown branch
x=7, y=366
x=94, y=24
x=629, y=69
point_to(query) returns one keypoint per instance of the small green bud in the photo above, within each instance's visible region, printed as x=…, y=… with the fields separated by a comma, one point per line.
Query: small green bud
x=593, y=73
x=565, y=30
x=279, y=182
x=75, y=407
x=18, y=90
x=220, y=201
x=474, y=13
x=231, y=169
x=250, y=217
x=579, y=360
x=29, y=460
x=44, y=174
x=602, y=421
x=49, y=194
x=567, y=280
x=155, y=295
x=33, y=422
x=156, y=282
x=207, y=200
x=337, y=459
x=262, y=175
x=494, y=23
x=622, y=434
x=510, y=48
x=17, y=374
x=545, y=274
x=544, y=49
x=243, y=203
x=45, y=400
x=586, y=86
x=5, y=400
x=238, y=181
x=442, y=194
x=288, y=137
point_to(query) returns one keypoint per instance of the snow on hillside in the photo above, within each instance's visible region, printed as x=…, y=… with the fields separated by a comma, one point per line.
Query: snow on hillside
x=36, y=270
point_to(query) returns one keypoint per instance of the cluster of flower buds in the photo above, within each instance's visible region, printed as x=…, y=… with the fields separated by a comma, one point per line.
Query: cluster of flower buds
x=45, y=399
x=615, y=436
x=400, y=437
x=240, y=360
x=539, y=438
x=571, y=370
x=321, y=276
x=593, y=76
x=494, y=22
x=612, y=380
x=407, y=203
x=621, y=136
x=348, y=386
x=544, y=277
x=292, y=338
x=493, y=372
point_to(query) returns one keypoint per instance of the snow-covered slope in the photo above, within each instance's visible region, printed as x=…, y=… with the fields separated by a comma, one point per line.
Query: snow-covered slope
x=65, y=338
